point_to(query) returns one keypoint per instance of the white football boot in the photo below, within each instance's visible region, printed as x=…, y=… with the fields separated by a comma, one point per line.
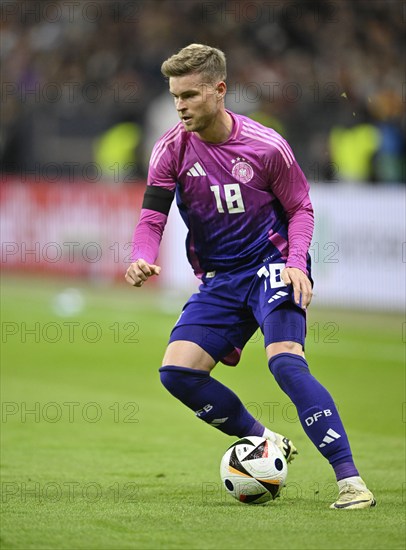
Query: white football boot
x=353, y=495
x=289, y=451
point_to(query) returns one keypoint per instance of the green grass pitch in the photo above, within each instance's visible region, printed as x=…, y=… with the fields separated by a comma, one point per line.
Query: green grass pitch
x=97, y=455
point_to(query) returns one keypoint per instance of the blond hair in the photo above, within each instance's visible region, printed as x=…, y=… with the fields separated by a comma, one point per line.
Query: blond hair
x=197, y=58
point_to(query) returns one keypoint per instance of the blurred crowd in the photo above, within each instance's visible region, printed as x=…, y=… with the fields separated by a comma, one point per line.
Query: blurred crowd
x=83, y=96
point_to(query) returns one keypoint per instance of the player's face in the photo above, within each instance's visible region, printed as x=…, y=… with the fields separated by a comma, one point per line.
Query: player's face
x=196, y=101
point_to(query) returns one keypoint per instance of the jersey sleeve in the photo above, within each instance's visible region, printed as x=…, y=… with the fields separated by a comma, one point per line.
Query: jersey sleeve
x=161, y=170
x=148, y=235
x=156, y=204
x=290, y=187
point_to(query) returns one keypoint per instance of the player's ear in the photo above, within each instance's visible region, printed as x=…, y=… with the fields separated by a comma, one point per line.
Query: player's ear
x=221, y=89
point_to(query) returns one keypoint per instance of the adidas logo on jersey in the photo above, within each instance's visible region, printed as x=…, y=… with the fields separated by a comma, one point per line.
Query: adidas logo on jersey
x=196, y=170
x=277, y=295
x=330, y=436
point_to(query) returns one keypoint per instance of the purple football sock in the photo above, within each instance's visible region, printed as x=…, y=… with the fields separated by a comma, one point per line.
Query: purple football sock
x=210, y=400
x=317, y=411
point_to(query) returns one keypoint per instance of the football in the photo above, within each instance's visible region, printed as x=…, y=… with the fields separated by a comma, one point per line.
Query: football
x=253, y=470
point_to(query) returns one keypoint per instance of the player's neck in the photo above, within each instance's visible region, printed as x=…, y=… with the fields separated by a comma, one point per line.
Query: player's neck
x=219, y=130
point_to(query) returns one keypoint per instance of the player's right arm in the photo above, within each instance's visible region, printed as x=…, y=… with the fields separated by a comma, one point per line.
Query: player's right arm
x=157, y=201
x=148, y=234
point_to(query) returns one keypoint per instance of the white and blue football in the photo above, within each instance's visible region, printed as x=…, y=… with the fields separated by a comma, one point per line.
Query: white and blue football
x=253, y=470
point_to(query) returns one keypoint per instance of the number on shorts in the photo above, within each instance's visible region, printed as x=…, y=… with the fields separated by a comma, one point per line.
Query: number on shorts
x=272, y=274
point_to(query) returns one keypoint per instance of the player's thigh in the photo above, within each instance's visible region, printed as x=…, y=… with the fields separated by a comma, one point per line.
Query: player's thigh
x=215, y=326
x=285, y=330
x=184, y=353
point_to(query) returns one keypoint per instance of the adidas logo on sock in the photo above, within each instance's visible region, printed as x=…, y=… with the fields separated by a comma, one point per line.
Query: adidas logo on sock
x=277, y=295
x=218, y=421
x=196, y=170
x=330, y=436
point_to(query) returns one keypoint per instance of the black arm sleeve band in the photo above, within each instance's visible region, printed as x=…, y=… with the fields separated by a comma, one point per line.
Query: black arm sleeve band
x=158, y=199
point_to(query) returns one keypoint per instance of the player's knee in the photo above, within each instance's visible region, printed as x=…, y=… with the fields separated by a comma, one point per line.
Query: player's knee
x=179, y=381
x=171, y=379
x=287, y=368
x=284, y=347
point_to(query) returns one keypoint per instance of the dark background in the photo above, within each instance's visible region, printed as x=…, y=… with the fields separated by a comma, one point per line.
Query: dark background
x=71, y=71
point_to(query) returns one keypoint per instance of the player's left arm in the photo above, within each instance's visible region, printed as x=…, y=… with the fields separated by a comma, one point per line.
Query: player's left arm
x=302, y=287
x=300, y=231
x=291, y=188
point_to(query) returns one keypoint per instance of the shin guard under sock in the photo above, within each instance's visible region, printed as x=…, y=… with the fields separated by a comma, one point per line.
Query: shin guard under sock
x=316, y=410
x=210, y=400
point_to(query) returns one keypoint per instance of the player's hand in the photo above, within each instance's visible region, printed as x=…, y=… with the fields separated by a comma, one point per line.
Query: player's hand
x=140, y=271
x=302, y=287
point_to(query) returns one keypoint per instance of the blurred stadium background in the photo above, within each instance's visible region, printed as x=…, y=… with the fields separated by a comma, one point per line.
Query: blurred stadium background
x=82, y=101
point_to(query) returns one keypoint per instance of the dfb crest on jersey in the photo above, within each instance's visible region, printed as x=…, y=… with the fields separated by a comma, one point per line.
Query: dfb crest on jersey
x=242, y=171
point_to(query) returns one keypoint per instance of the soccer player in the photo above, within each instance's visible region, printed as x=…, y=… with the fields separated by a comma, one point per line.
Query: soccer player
x=246, y=205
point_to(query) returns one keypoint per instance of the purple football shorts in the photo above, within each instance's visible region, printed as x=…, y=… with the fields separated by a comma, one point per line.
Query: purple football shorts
x=231, y=306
